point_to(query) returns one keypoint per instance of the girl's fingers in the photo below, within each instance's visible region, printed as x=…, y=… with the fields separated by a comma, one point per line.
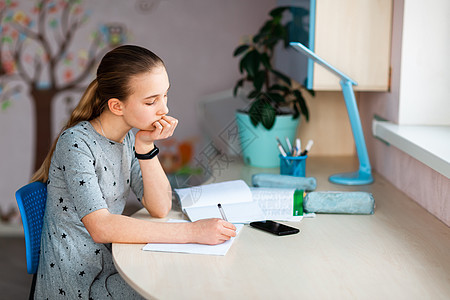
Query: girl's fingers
x=173, y=124
x=229, y=232
x=158, y=127
x=168, y=118
x=169, y=124
x=225, y=237
x=229, y=225
x=164, y=127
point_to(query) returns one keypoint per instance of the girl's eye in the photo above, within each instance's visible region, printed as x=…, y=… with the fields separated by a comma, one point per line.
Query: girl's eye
x=150, y=103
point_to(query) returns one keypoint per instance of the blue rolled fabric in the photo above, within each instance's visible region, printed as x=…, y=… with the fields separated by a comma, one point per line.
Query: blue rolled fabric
x=284, y=181
x=339, y=203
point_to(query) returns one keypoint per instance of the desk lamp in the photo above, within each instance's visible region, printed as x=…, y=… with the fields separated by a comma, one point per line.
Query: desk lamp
x=363, y=175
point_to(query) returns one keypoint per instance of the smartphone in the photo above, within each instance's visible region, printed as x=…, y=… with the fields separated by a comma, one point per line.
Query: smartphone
x=274, y=227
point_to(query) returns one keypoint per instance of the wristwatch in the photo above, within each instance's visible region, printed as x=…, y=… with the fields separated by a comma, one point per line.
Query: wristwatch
x=149, y=155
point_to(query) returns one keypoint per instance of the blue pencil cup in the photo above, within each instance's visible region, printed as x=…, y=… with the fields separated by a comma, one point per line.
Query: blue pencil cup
x=293, y=165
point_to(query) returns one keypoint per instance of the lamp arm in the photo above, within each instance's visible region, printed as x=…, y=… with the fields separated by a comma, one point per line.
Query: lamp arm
x=355, y=123
x=364, y=174
x=317, y=59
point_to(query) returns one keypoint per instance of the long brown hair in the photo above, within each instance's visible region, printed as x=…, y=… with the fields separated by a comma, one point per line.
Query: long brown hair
x=113, y=77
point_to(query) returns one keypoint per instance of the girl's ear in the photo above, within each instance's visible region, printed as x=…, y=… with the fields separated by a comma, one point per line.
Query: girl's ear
x=115, y=106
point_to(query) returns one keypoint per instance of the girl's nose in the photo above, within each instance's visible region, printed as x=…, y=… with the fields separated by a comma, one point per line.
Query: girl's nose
x=164, y=110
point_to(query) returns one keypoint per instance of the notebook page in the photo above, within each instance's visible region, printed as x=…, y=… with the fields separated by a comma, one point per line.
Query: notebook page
x=234, y=191
x=220, y=249
x=236, y=212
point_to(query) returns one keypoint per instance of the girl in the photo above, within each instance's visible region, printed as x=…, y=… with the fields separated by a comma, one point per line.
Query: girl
x=89, y=173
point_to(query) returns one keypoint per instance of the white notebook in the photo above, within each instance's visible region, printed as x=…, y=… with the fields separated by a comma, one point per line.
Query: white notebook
x=220, y=249
x=200, y=202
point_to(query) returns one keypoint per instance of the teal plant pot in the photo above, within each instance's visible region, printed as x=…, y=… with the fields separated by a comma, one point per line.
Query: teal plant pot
x=259, y=145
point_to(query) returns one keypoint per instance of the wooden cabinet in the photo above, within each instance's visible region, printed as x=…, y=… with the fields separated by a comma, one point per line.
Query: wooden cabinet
x=352, y=35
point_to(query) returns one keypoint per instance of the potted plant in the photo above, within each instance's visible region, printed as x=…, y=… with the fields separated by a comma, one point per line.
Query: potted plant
x=275, y=103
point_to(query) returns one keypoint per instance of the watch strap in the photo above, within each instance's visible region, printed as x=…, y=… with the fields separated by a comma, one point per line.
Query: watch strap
x=149, y=155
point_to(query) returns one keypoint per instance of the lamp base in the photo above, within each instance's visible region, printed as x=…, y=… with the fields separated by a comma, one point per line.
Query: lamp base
x=352, y=178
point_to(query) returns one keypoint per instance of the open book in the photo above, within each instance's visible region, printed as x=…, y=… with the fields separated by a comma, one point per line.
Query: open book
x=240, y=203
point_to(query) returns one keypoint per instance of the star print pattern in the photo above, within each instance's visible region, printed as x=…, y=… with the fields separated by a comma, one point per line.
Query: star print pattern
x=94, y=174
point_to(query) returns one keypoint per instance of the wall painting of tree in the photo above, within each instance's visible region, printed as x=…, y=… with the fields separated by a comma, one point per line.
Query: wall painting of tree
x=36, y=57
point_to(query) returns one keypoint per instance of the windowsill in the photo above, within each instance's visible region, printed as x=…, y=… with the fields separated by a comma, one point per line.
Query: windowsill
x=428, y=144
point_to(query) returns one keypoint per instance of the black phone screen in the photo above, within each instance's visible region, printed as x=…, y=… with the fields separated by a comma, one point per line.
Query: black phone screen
x=274, y=227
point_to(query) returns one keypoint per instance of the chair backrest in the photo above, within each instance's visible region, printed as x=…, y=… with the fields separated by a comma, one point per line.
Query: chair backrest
x=31, y=199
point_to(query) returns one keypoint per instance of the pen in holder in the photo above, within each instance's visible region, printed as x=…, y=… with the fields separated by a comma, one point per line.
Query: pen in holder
x=293, y=165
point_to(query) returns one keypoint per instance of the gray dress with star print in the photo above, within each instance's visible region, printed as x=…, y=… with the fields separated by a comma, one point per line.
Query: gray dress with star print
x=88, y=172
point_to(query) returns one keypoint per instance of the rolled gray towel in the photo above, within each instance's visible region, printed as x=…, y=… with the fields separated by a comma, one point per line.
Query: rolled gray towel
x=284, y=181
x=339, y=202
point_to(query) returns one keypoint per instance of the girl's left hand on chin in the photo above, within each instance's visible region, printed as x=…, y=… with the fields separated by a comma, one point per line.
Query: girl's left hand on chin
x=163, y=129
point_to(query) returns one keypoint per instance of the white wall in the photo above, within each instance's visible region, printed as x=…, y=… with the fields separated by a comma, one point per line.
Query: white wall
x=425, y=63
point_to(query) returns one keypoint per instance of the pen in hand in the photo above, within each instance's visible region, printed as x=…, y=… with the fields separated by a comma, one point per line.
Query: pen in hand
x=222, y=212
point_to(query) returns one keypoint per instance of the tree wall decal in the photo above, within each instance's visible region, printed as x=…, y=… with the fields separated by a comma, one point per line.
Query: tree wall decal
x=36, y=56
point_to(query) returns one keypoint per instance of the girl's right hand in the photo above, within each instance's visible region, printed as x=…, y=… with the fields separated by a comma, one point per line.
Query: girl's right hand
x=162, y=129
x=212, y=231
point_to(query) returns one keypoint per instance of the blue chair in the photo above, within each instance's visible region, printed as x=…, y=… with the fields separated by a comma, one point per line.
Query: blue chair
x=31, y=199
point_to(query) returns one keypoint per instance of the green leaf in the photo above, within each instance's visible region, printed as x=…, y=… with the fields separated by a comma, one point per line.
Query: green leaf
x=277, y=19
x=254, y=112
x=265, y=29
x=252, y=94
x=296, y=111
x=268, y=115
x=240, y=49
x=282, y=77
x=278, y=11
x=302, y=103
x=258, y=81
x=271, y=42
x=241, y=66
x=311, y=92
x=279, y=31
x=275, y=97
x=276, y=34
x=239, y=84
x=262, y=111
x=279, y=87
x=250, y=62
x=265, y=60
x=256, y=38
